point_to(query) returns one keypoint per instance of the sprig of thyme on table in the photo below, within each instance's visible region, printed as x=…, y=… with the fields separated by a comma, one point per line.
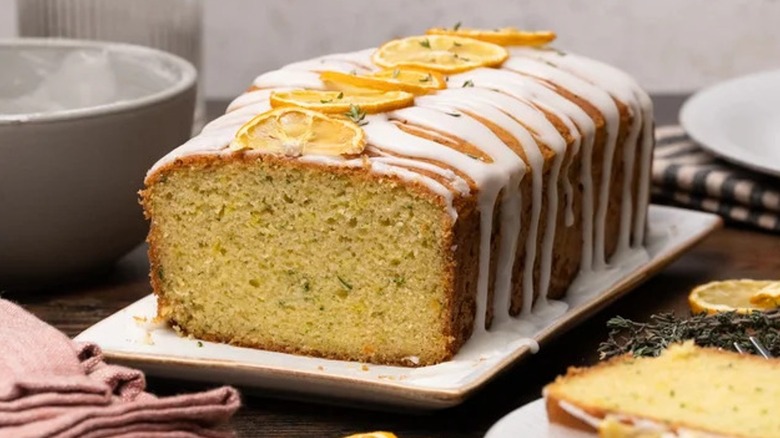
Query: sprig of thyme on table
x=720, y=330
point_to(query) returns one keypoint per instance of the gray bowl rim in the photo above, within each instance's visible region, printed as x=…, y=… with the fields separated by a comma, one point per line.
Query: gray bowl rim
x=187, y=80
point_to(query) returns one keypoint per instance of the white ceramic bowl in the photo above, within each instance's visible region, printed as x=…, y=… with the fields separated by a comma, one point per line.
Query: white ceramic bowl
x=80, y=123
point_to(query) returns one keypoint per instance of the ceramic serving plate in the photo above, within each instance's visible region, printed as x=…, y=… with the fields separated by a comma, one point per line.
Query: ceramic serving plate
x=530, y=421
x=739, y=120
x=130, y=337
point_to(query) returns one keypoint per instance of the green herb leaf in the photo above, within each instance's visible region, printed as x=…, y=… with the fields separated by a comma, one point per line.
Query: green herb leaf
x=468, y=83
x=425, y=43
x=454, y=114
x=456, y=44
x=341, y=95
x=326, y=100
x=200, y=344
x=457, y=26
x=356, y=115
x=344, y=283
x=427, y=78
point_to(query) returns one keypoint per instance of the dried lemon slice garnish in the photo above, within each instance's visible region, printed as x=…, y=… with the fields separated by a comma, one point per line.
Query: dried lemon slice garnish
x=405, y=79
x=298, y=131
x=333, y=102
x=442, y=53
x=733, y=296
x=505, y=36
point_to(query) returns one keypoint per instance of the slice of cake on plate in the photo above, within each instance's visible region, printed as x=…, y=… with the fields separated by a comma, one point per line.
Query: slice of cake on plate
x=687, y=391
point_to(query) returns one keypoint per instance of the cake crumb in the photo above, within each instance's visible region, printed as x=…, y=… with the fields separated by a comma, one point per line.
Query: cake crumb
x=148, y=338
x=140, y=320
x=320, y=368
x=364, y=367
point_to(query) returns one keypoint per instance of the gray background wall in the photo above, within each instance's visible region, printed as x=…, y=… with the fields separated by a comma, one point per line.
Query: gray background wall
x=669, y=45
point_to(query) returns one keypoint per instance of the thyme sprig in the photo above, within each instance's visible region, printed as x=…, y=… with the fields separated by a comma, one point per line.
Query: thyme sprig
x=720, y=330
x=356, y=114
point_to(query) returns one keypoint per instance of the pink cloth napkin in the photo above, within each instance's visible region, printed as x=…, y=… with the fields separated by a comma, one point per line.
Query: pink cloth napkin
x=53, y=387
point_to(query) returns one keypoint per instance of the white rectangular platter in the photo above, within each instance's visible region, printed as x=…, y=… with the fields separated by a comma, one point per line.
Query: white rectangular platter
x=129, y=337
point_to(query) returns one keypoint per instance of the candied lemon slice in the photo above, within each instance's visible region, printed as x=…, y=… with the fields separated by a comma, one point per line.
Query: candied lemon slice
x=332, y=102
x=731, y=296
x=404, y=79
x=373, y=435
x=505, y=36
x=298, y=131
x=442, y=53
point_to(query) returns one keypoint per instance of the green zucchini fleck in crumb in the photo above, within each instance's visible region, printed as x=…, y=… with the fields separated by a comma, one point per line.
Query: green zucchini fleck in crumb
x=344, y=283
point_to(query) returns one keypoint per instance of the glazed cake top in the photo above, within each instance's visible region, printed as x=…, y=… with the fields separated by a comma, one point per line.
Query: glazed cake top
x=523, y=96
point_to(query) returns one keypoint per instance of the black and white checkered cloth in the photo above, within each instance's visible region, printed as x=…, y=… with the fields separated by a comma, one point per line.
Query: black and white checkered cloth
x=685, y=174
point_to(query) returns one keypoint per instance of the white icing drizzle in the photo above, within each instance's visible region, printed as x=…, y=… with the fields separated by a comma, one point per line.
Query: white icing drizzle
x=513, y=98
x=382, y=167
x=457, y=183
x=641, y=424
x=463, y=100
x=607, y=107
x=289, y=79
x=530, y=90
x=505, y=172
x=624, y=88
x=249, y=98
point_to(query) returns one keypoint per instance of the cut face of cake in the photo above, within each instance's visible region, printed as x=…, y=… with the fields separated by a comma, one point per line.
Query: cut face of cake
x=347, y=263
x=389, y=225
x=687, y=391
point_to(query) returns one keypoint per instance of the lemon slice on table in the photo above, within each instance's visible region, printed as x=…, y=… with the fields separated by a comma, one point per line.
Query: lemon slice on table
x=768, y=296
x=338, y=102
x=405, y=79
x=505, y=36
x=442, y=53
x=298, y=131
x=373, y=435
x=743, y=296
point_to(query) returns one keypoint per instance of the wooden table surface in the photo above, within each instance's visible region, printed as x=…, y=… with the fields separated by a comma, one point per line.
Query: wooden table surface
x=728, y=253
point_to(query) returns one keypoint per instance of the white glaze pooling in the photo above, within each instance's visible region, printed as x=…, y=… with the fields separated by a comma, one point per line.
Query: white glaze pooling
x=518, y=99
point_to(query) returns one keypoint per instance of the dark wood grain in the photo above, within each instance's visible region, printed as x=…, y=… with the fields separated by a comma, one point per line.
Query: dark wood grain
x=732, y=252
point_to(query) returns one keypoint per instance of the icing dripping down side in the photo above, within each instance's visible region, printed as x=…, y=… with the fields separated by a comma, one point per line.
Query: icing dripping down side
x=521, y=99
